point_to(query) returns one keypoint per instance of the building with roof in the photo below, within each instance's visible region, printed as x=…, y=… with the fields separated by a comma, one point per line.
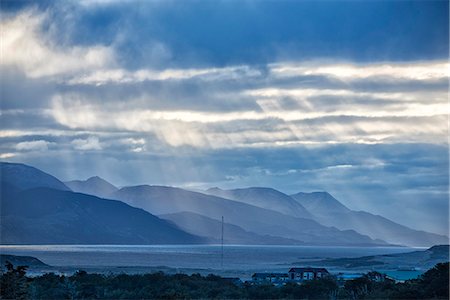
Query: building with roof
x=270, y=277
x=308, y=273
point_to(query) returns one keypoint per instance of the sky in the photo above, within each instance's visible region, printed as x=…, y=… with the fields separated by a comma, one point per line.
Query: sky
x=349, y=97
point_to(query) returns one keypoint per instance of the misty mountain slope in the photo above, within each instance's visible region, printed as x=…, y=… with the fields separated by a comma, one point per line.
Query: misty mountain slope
x=93, y=186
x=233, y=234
x=329, y=211
x=165, y=200
x=320, y=203
x=48, y=216
x=26, y=177
x=264, y=197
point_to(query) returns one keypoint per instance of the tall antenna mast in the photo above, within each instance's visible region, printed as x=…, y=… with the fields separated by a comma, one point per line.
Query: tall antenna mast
x=221, y=261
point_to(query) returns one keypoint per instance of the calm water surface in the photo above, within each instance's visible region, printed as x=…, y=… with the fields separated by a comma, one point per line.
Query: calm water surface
x=236, y=257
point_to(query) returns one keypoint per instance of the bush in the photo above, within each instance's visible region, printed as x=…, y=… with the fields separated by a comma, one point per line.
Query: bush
x=15, y=285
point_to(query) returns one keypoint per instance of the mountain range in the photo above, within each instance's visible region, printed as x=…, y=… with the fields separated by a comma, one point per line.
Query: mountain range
x=37, y=208
x=56, y=215
x=330, y=212
x=165, y=200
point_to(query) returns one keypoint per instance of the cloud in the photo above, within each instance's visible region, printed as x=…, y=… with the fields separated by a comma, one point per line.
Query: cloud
x=27, y=46
x=89, y=3
x=261, y=118
x=415, y=71
x=135, y=145
x=125, y=76
x=284, y=103
x=6, y=155
x=39, y=145
x=91, y=143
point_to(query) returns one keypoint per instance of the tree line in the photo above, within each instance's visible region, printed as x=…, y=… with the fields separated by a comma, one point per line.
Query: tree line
x=15, y=284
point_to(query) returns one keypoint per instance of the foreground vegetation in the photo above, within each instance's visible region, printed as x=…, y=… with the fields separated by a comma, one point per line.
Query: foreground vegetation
x=434, y=284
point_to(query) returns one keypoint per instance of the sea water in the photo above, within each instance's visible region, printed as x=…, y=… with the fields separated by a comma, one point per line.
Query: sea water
x=235, y=257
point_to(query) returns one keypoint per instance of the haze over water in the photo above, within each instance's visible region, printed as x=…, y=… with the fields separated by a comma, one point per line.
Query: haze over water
x=238, y=259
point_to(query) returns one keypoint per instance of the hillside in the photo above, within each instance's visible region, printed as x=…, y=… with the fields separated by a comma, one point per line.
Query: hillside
x=320, y=203
x=210, y=228
x=264, y=197
x=330, y=212
x=27, y=177
x=48, y=216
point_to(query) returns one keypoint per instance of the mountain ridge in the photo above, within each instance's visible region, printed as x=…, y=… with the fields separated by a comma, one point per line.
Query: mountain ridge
x=165, y=200
x=48, y=216
x=319, y=201
x=375, y=226
x=312, y=218
x=25, y=177
x=94, y=185
x=264, y=197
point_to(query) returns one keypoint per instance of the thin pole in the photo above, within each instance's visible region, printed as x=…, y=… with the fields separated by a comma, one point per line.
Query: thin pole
x=222, y=246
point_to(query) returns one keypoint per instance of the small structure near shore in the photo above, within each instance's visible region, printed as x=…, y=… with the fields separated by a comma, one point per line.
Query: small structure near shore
x=270, y=277
x=293, y=275
x=301, y=274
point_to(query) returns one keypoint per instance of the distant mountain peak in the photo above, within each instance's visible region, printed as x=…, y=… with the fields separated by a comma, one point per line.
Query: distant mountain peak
x=94, y=185
x=214, y=189
x=317, y=202
x=251, y=188
x=323, y=194
x=265, y=197
x=98, y=179
x=260, y=189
